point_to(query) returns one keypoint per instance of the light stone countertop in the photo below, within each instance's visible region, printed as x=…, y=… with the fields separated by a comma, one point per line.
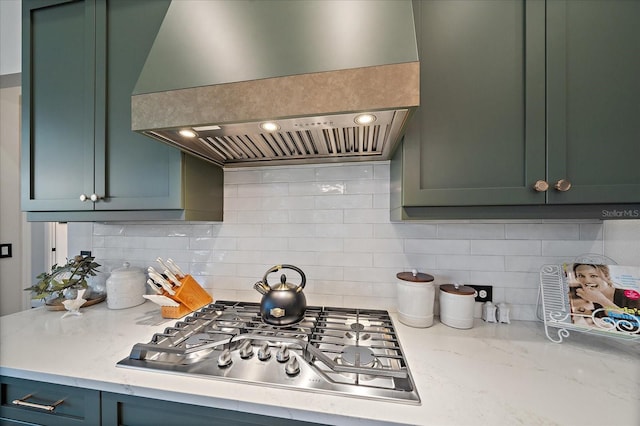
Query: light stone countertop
x=492, y=374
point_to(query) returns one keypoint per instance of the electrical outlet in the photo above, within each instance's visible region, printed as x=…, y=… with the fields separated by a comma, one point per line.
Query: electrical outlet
x=484, y=293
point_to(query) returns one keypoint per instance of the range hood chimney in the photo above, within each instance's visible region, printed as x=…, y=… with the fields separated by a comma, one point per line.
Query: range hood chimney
x=244, y=82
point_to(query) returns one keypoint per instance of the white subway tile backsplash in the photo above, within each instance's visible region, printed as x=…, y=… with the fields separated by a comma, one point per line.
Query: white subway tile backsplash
x=263, y=216
x=471, y=263
x=286, y=203
x=243, y=203
x=373, y=245
x=367, y=187
x=622, y=244
x=571, y=248
x=532, y=263
x=405, y=230
x=289, y=230
x=212, y=243
x=344, y=259
x=345, y=202
x=506, y=247
x=366, y=216
x=333, y=222
x=242, y=176
x=437, y=246
x=346, y=231
x=347, y=171
x=505, y=279
x=471, y=231
x=288, y=174
x=381, y=201
x=591, y=231
x=263, y=190
x=543, y=231
x=381, y=170
x=108, y=229
x=174, y=243
x=315, y=216
x=316, y=245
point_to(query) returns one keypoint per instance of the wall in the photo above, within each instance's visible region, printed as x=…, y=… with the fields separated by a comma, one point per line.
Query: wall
x=10, y=27
x=333, y=222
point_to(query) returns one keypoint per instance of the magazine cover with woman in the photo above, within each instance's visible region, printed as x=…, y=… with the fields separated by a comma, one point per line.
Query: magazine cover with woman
x=605, y=296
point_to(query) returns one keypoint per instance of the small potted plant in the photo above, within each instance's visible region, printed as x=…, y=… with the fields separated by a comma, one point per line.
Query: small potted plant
x=64, y=280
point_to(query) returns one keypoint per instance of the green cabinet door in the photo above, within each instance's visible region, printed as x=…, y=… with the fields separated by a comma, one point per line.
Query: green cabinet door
x=57, y=104
x=128, y=410
x=593, y=96
x=81, y=62
x=133, y=171
x=520, y=93
x=30, y=402
x=478, y=136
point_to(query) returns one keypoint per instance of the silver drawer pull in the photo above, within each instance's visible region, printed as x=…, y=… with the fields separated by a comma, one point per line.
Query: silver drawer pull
x=23, y=403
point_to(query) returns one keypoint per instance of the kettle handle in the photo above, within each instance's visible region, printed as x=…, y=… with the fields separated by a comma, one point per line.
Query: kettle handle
x=285, y=266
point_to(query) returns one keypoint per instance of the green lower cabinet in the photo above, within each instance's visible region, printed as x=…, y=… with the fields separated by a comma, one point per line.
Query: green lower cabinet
x=123, y=410
x=38, y=403
x=80, y=159
x=29, y=402
x=529, y=109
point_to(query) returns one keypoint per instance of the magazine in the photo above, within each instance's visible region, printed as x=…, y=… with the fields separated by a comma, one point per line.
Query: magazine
x=604, y=296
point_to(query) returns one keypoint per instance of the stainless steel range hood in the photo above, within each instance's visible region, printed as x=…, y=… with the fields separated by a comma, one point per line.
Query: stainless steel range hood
x=222, y=69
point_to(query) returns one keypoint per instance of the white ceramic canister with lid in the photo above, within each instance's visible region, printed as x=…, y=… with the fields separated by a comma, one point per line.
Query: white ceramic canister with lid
x=457, y=304
x=125, y=287
x=416, y=295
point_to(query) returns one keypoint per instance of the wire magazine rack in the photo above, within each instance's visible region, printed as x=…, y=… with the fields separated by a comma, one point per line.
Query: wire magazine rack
x=558, y=318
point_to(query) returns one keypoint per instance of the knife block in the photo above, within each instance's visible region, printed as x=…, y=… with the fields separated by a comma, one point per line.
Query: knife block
x=189, y=295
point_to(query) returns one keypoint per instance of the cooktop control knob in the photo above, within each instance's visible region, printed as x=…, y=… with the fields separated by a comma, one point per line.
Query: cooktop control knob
x=292, y=367
x=246, y=350
x=224, y=360
x=264, y=353
x=283, y=354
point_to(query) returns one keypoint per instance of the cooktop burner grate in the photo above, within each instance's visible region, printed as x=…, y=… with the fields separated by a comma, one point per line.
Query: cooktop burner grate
x=352, y=352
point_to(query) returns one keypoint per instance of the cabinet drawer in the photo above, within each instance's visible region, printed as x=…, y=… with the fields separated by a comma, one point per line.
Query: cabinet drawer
x=48, y=404
x=126, y=410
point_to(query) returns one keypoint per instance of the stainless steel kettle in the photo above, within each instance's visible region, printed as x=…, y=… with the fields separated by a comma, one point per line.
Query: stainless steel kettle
x=284, y=303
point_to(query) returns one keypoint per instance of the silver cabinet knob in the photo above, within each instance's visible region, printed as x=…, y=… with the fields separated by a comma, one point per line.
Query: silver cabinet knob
x=83, y=198
x=541, y=185
x=562, y=185
x=94, y=197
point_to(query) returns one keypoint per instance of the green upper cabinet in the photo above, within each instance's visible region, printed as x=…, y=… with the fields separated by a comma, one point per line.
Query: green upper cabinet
x=515, y=97
x=81, y=61
x=478, y=136
x=58, y=100
x=593, y=100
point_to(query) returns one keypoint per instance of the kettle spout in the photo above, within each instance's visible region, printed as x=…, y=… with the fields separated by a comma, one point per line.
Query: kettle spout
x=261, y=287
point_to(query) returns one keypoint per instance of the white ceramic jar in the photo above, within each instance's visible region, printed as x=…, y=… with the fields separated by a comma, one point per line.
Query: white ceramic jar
x=125, y=287
x=416, y=295
x=457, y=304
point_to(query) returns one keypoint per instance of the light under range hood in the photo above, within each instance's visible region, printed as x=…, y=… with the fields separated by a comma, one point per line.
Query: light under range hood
x=223, y=69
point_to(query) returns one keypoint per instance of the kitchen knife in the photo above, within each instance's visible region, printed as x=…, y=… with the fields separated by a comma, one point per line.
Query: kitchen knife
x=161, y=262
x=155, y=276
x=154, y=286
x=175, y=269
x=172, y=277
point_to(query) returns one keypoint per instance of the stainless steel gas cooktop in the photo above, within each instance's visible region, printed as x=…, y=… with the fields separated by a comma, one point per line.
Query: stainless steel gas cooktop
x=353, y=352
